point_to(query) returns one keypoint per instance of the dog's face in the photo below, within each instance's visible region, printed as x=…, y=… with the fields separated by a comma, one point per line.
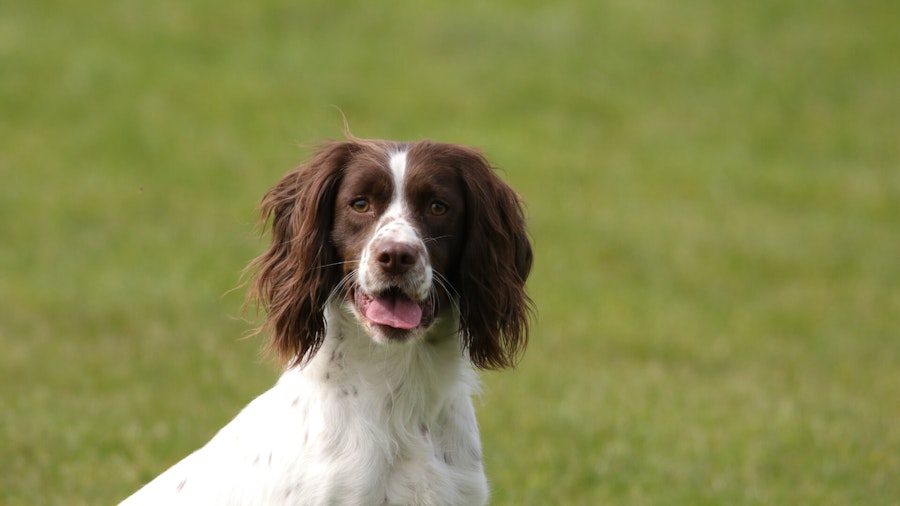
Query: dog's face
x=398, y=230
x=401, y=233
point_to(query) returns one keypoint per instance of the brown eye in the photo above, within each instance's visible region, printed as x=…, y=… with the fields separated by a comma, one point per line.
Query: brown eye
x=438, y=208
x=360, y=205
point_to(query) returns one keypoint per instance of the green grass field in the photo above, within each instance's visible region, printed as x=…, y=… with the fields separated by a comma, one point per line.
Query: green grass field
x=714, y=198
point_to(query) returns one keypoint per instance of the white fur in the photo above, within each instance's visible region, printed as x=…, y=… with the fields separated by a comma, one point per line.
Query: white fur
x=398, y=171
x=363, y=422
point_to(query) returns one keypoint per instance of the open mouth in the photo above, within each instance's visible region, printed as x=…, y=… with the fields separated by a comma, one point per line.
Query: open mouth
x=393, y=308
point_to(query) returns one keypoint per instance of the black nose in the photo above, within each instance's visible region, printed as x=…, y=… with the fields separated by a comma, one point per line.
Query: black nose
x=396, y=257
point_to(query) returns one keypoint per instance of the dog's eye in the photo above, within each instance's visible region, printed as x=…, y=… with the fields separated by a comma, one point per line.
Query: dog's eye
x=438, y=208
x=360, y=205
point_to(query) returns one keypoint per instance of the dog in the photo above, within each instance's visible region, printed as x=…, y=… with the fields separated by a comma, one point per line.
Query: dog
x=395, y=271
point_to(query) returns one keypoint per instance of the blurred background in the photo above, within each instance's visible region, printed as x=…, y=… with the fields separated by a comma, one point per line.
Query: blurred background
x=713, y=193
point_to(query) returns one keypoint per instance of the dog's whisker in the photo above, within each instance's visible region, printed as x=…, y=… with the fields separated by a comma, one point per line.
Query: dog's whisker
x=446, y=285
x=349, y=279
x=432, y=239
x=334, y=264
x=442, y=283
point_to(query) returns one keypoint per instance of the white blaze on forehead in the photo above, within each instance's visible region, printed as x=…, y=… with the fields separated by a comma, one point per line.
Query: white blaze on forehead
x=398, y=171
x=395, y=222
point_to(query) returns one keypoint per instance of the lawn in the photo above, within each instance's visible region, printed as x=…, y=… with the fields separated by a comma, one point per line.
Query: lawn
x=713, y=193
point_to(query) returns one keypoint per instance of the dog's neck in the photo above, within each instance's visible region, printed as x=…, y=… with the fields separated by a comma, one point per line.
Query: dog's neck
x=414, y=380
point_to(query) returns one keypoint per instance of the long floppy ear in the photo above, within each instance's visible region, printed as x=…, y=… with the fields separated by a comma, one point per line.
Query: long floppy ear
x=495, y=311
x=296, y=274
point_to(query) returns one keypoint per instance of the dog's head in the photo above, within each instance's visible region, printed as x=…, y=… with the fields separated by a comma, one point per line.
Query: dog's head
x=401, y=233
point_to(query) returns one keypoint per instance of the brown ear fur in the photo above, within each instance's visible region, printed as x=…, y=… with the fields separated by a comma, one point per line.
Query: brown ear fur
x=496, y=260
x=295, y=275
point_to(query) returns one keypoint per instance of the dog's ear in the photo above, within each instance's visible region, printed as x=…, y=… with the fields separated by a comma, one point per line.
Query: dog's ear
x=298, y=271
x=495, y=311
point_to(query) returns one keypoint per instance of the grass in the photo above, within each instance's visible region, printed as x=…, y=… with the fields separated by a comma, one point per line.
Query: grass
x=714, y=192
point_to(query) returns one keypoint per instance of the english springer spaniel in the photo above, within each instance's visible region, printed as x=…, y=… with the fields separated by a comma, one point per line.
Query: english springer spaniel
x=393, y=269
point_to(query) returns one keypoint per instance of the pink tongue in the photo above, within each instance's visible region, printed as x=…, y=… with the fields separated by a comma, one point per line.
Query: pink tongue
x=394, y=311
